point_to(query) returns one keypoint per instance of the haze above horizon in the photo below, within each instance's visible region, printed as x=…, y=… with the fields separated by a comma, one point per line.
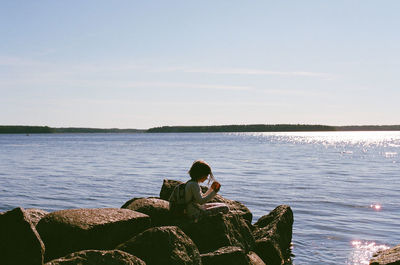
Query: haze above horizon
x=143, y=64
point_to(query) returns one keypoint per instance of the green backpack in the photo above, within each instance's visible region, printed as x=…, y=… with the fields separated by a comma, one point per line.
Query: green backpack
x=177, y=203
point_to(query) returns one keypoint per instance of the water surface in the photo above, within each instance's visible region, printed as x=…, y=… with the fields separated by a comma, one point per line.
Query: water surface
x=342, y=186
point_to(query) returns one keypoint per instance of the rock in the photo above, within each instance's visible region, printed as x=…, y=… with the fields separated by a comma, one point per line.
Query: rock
x=167, y=188
x=68, y=231
x=269, y=251
x=254, y=259
x=225, y=255
x=213, y=232
x=98, y=257
x=20, y=242
x=157, y=209
x=35, y=215
x=273, y=235
x=387, y=257
x=231, y=256
x=234, y=206
x=163, y=245
x=280, y=222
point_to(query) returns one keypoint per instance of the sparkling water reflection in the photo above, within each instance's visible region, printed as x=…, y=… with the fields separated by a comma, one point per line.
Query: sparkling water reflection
x=342, y=186
x=362, y=252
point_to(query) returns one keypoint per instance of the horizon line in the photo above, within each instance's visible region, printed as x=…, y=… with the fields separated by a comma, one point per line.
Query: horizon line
x=219, y=125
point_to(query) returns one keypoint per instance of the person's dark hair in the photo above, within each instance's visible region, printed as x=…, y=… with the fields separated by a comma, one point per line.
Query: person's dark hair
x=199, y=169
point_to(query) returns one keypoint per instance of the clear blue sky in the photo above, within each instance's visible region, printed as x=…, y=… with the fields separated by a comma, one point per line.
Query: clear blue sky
x=141, y=64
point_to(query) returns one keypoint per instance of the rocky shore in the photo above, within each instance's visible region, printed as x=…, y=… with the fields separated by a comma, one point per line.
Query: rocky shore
x=387, y=257
x=142, y=231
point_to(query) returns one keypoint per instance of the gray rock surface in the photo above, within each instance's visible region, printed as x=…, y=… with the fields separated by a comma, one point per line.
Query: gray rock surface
x=273, y=235
x=163, y=246
x=387, y=257
x=20, y=243
x=157, y=209
x=213, y=232
x=98, y=257
x=68, y=231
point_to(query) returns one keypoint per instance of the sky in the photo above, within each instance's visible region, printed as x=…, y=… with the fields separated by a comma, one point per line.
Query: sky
x=142, y=64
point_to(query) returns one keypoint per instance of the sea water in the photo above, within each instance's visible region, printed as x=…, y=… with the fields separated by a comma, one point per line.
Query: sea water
x=343, y=187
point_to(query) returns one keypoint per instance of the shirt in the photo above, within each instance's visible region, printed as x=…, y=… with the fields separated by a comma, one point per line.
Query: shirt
x=194, y=197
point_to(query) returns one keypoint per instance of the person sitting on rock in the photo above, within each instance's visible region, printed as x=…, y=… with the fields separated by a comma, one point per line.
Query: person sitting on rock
x=196, y=202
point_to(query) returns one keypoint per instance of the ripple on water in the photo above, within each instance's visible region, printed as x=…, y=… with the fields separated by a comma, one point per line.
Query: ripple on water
x=334, y=195
x=390, y=154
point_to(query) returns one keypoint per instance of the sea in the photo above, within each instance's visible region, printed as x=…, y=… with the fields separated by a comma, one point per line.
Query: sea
x=343, y=187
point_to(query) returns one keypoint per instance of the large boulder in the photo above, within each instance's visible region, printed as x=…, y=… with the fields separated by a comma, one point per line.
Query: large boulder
x=210, y=233
x=68, y=231
x=163, y=246
x=273, y=235
x=387, y=257
x=157, y=209
x=98, y=257
x=234, y=206
x=20, y=243
x=226, y=255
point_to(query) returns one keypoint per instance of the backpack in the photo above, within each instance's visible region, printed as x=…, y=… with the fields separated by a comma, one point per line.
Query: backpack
x=177, y=203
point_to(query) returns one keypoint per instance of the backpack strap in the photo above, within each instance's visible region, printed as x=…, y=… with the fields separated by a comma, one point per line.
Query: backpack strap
x=185, y=187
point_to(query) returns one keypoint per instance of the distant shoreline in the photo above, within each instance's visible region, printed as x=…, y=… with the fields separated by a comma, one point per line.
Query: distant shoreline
x=17, y=129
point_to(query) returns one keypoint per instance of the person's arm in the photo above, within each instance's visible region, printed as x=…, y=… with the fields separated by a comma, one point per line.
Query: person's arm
x=198, y=197
x=208, y=191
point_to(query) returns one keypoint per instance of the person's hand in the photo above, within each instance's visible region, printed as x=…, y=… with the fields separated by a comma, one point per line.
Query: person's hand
x=216, y=186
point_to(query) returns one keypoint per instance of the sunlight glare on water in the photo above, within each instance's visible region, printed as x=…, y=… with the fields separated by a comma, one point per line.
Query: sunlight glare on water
x=362, y=252
x=334, y=138
x=376, y=207
x=355, y=145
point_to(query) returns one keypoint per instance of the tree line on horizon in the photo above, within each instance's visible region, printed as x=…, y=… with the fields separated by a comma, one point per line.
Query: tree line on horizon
x=45, y=129
x=244, y=128
x=26, y=129
x=6, y=129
